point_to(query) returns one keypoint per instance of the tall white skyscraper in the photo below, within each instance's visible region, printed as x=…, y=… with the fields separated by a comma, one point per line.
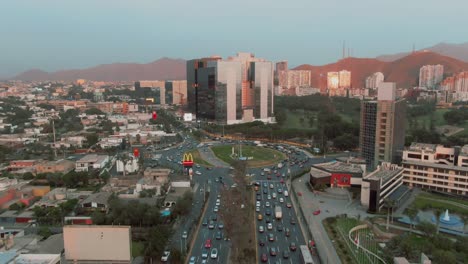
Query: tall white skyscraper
x=236, y=90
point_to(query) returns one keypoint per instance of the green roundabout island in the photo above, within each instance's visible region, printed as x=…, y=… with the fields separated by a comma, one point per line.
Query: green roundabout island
x=255, y=156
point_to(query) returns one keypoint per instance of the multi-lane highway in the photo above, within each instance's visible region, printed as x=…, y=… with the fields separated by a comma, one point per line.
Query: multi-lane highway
x=211, y=235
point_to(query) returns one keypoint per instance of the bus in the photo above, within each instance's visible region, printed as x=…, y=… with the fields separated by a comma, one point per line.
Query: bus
x=306, y=257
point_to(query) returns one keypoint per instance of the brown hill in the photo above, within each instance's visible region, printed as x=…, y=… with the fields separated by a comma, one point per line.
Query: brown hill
x=162, y=69
x=456, y=51
x=404, y=72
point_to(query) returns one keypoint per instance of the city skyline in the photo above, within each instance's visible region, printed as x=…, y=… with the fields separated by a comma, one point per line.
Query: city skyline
x=52, y=35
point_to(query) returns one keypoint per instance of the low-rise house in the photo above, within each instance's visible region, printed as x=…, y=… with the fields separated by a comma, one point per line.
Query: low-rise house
x=58, y=166
x=16, y=165
x=96, y=201
x=91, y=161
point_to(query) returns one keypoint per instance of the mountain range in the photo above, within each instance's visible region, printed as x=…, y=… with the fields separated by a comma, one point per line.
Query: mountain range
x=402, y=68
x=458, y=51
x=162, y=69
x=403, y=71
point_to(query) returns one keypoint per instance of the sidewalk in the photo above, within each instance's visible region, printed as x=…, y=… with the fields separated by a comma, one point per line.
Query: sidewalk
x=308, y=203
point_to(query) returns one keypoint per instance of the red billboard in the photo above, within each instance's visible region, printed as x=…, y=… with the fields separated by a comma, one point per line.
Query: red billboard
x=340, y=180
x=136, y=152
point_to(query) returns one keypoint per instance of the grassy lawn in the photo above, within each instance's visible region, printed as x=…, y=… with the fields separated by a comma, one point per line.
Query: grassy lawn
x=441, y=197
x=198, y=159
x=261, y=156
x=137, y=248
x=425, y=204
x=347, y=254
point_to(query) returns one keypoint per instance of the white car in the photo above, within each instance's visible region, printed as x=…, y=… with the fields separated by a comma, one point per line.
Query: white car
x=271, y=186
x=281, y=200
x=267, y=204
x=214, y=253
x=261, y=229
x=165, y=256
x=274, y=195
x=269, y=197
x=184, y=234
x=257, y=209
x=258, y=204
x=270, y=226
x=192, y=260
x=204, y=254
x=218, y=202
x=198, y=173
x=215, y=209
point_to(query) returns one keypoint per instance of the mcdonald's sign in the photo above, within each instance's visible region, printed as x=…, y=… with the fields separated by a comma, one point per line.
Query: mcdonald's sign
x=188, y=160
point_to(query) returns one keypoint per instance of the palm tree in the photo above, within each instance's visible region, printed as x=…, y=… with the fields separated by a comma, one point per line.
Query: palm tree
x=412, y=213
x=387, y=203
x=437, y=213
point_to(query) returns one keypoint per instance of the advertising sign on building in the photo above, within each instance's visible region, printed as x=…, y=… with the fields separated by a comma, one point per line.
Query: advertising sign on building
x=188, y=117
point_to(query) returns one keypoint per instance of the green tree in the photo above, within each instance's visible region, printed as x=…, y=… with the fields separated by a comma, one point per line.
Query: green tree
x=92, y=139
x=99, y=218
x=444, y=256
x=94, y=111
x=44, y=232
x=156, y=242
x=412, y=213
x=427, y=228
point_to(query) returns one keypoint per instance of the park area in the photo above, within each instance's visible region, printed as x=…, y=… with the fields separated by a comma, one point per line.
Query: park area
x=255, y=156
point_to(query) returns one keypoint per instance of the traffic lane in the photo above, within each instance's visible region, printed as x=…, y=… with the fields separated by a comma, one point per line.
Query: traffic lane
x=206, y=233
x=282, y=242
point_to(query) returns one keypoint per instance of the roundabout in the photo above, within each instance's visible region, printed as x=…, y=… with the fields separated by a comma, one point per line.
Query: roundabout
x=254, y=155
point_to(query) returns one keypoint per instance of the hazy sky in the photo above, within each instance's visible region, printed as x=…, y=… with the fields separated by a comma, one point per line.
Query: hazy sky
x=63, y=34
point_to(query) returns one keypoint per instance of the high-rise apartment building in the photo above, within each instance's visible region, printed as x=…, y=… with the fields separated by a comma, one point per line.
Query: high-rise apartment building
x=431, y=75
x=338, y=82
x=236, y=90
x=333, y=80
x=457, y=85
x=373, y=81
x=382, y=132
x=294, y=78
x=345, y=79
x=281, y=66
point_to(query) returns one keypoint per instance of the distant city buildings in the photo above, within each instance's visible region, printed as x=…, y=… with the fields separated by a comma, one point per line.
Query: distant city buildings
x=457, y=86
x=373, y=81
x=289, y=81
x=437, y=168
x=235, y=90
x=170, y=92
x=382, y=131
x=338, y=82
x=430, y=76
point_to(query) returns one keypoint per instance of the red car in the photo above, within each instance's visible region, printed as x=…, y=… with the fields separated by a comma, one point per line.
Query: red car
x=269, y=177
x=316, y=212
x=299, y=193
x=208, y=243
x=288, y=205
x=282, y=181
x=264, y=258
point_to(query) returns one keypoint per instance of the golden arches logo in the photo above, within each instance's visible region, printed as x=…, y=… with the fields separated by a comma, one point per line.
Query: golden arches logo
x=188, y=157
